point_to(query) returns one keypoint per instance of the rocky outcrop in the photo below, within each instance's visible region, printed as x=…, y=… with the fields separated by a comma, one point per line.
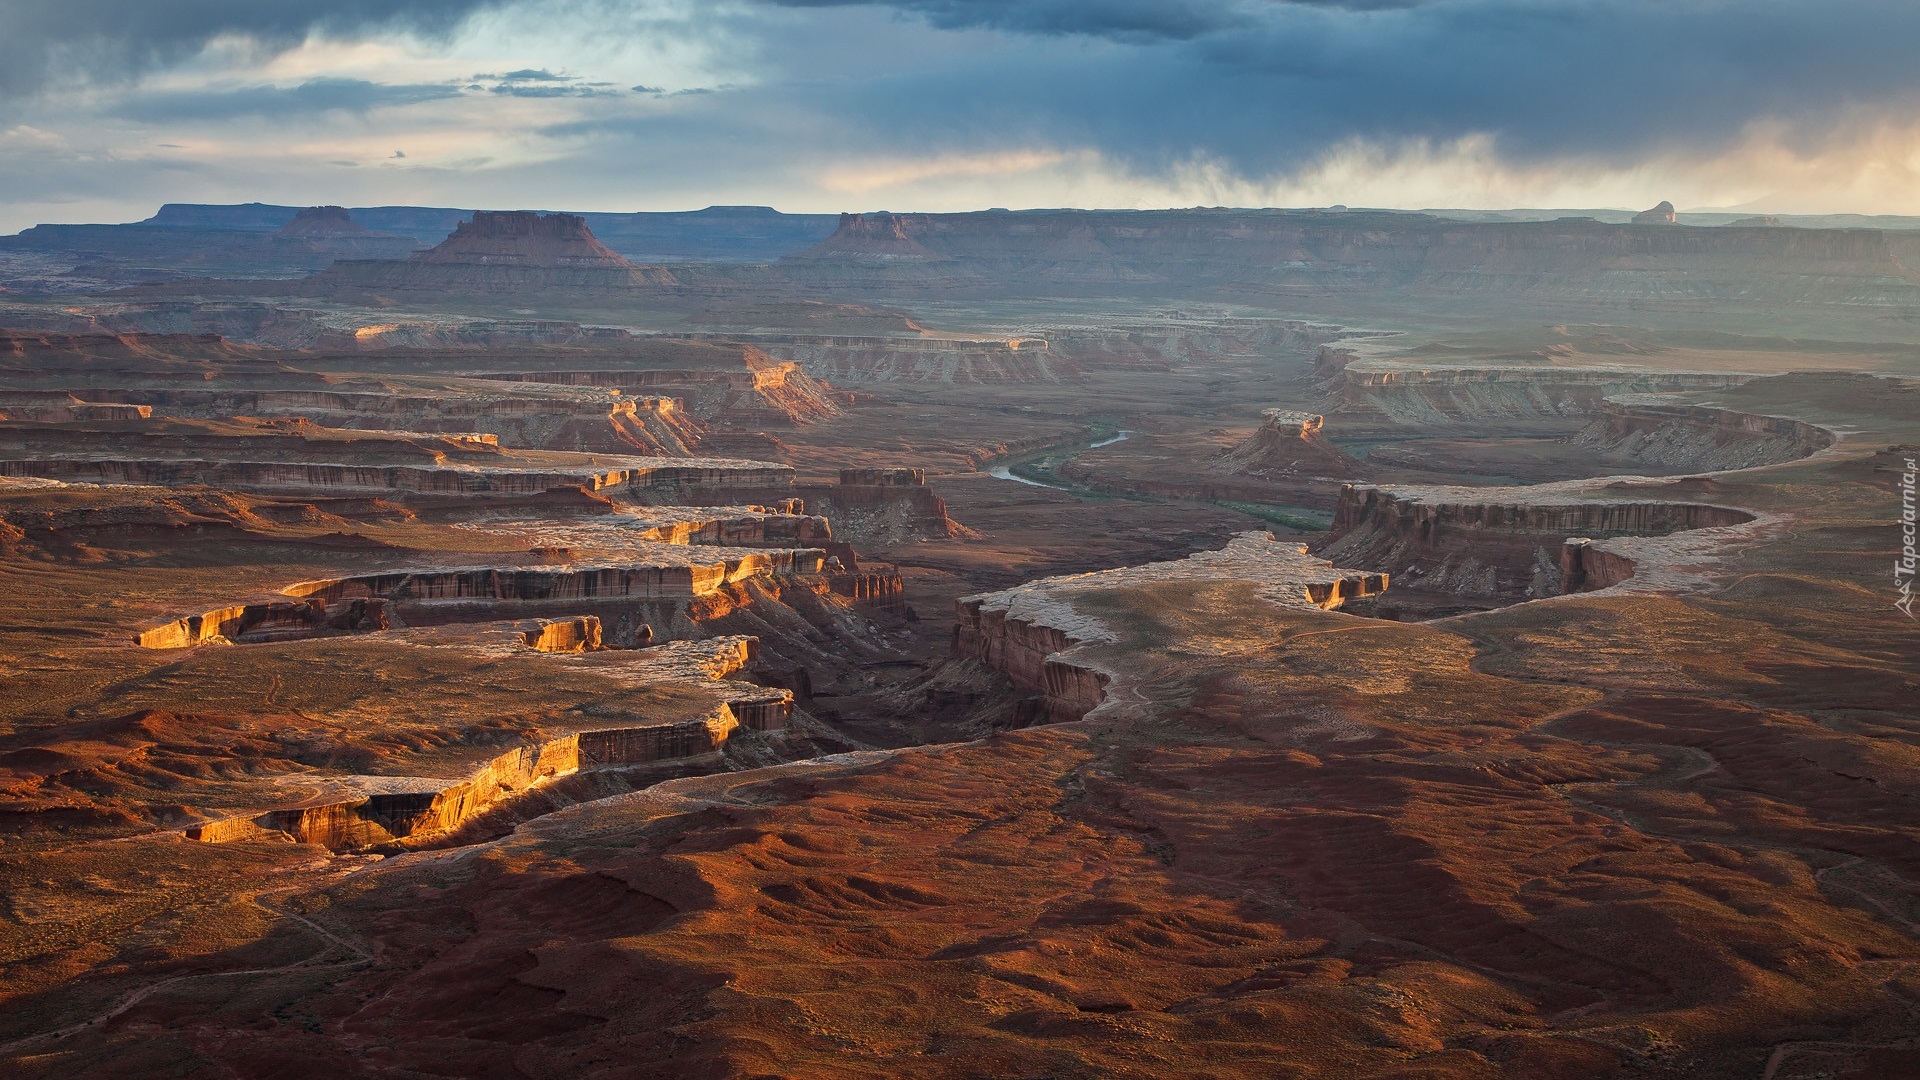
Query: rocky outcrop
x=522, y=238
x=577, y=419
x=58, y=407
x=1697, y=437
x=1034, y=635
x=1168, y=346
x=882, y=506
x=881, y=237
x=670, y=575
x=581, y=634
x=662, y=480
x=1445, y=395
x=400, y=811
x=1662, y=214
x=323, y=222
x=509, y=251
x=1497, y=544
x=850, y=358
x=758, y=391
x=1587, y=566
x=1288, y=444
x=275, y=620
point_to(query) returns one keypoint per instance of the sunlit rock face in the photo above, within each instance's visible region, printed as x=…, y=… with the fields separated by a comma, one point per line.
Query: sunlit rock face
x=1288, y=443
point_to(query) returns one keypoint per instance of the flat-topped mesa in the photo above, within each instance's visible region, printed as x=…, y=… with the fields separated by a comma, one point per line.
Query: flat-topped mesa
x=523, y=238
x=517, y=252
x=1027, y=632
x=317, y=222
x=1288, y=443
x=1697, y=437
x=879, y=236
x=1502, y=545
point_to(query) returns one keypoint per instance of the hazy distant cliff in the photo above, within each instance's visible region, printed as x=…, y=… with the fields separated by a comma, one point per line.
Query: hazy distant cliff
x=1316, y=252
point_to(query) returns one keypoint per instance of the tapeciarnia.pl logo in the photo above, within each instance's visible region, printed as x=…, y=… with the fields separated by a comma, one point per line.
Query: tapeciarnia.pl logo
x=1903, y=568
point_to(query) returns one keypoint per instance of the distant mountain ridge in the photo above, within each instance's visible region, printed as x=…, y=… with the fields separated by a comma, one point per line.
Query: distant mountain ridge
x=715, y=234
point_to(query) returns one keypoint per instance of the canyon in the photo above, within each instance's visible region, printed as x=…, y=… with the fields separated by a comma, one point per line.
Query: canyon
x=1225, y=643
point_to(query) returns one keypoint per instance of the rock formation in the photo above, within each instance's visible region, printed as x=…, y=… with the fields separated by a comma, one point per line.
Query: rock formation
x=1288, y=444
x=323, y=222
x=880, y=236
x=1662, y=214
x=919, y=359
x=390, y=811
x=1442, y=394
x=1035, y=635
x=727, y=386
x=1499, y=545
x=497, y=252
x=523, y=238
x=1641, y=429
x=294, y=455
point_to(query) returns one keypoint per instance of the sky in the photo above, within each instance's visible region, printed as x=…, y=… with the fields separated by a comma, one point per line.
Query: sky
x=110, y=107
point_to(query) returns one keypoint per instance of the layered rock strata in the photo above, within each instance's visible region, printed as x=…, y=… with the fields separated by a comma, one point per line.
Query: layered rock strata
x=1447, y=395
x=766, y=393
x=1308, y=253
x=1033, y=633
x=376, y=811
x=578, y=419
x=857, y=358
x=658, y=589
x=708, y=473
x=1697, y=437
x=1500, y=544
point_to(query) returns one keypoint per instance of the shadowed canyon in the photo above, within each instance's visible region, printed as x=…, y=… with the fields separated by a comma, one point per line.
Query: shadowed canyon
x=1077, y=644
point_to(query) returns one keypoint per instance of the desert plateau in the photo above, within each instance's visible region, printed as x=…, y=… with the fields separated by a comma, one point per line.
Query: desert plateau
x=1199, y=642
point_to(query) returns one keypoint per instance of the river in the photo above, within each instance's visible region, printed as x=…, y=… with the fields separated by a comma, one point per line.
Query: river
x=1005, y=472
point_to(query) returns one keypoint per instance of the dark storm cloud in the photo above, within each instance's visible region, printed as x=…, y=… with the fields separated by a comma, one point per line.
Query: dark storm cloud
x=1260, y=86
x=1129, y=20
x=312, y=96
x=1132, y=19
x=42, y=41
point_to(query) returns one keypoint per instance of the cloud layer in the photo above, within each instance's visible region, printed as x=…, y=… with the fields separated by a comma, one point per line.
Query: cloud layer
x=828, y=104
